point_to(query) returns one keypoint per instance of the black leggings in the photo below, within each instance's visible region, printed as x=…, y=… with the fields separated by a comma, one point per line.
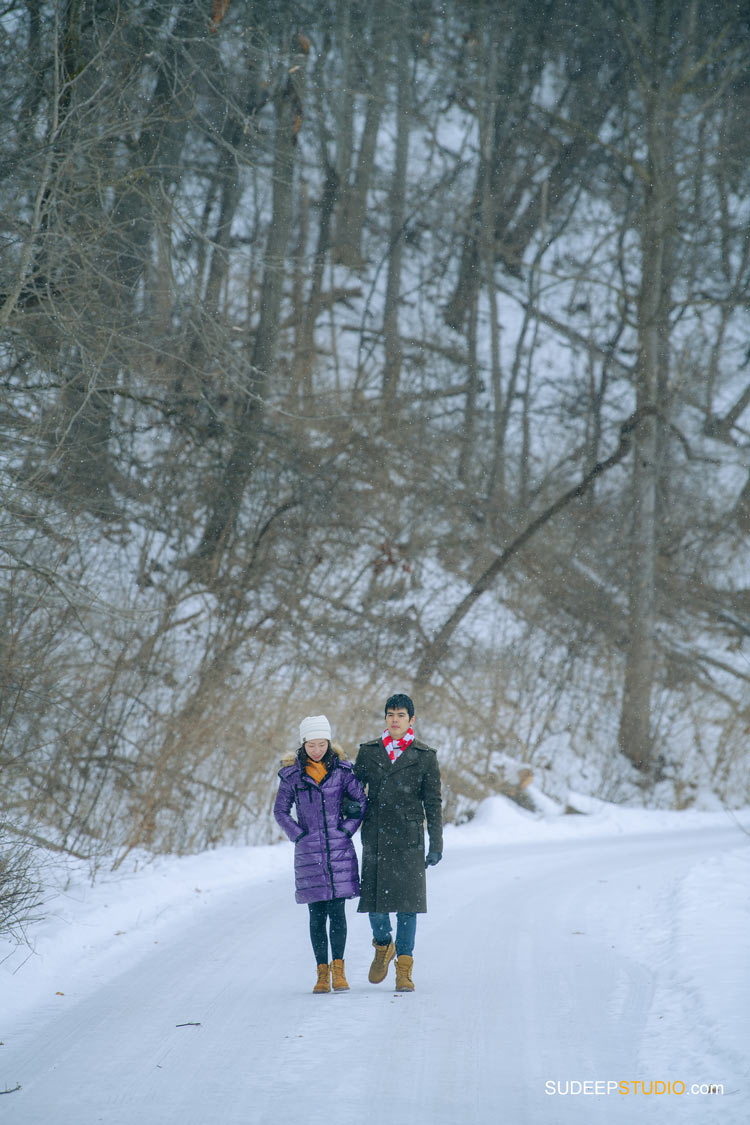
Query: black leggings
x=334, y=909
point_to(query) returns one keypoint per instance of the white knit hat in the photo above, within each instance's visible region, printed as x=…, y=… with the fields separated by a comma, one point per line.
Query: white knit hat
x=314, y=726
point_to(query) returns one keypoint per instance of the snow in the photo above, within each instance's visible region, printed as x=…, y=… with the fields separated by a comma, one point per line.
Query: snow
x=560, y=953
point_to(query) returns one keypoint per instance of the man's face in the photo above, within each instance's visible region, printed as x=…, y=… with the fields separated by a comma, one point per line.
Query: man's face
x=315, y=748
x=398, y=722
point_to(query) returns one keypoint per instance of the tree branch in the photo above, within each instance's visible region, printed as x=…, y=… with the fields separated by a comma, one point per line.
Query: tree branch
x=437, y=648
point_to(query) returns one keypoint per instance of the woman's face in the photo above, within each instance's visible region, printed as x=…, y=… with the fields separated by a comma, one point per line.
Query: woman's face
x=315, y=748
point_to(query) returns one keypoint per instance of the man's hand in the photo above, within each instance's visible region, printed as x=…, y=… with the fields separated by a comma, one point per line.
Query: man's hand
x=432, y=858
x=350, y=809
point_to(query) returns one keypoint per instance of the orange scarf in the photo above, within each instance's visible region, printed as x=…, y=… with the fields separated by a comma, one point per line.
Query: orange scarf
x=316, y=770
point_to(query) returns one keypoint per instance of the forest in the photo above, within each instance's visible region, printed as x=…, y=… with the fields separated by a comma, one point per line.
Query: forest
x=349, y=348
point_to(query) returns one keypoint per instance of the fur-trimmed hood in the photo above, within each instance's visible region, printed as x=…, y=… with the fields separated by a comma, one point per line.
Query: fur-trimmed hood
x=290, y=759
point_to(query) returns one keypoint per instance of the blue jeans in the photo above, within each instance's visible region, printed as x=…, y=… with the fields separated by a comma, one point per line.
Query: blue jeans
x=406, y=930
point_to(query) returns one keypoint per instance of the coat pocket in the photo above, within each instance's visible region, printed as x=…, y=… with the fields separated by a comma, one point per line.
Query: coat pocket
x=369, y=834
x=414, y=834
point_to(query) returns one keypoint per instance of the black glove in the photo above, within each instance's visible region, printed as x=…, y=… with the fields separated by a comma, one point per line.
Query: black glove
x=433, y=858
x=350, y=809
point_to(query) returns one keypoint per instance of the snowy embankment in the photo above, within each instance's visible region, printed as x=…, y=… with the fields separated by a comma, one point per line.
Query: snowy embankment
x=563, y=960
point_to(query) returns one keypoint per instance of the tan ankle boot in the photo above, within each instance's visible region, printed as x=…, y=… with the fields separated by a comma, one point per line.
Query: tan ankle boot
x=384, y=954
x=404, y=965
x=338, y=979
x=323, y=983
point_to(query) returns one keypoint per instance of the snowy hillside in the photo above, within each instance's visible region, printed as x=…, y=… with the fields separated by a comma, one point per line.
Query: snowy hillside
x=348, y=348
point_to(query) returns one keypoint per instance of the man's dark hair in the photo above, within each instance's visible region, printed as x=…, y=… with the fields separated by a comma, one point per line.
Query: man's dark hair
x=396, y=701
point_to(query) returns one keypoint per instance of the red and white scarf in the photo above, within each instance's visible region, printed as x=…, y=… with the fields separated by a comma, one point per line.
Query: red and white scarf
x=396, y=749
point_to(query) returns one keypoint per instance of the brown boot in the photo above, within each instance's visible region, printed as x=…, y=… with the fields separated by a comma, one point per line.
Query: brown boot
x=404, y=964
x=323, y=983
x=384, y=954
x=338, y=979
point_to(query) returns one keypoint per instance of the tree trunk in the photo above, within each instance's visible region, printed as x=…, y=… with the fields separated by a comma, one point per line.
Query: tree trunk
x=349, y=229
x=243, y=454
x=635, y=733
x=116, y=266
x=470, y=406
x=304, y=358
x=397, y=207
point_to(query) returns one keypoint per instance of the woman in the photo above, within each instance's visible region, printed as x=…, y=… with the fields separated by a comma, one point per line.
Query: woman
x=329, y=804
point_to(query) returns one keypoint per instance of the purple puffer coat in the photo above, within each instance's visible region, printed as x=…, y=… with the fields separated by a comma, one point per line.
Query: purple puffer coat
x=325, y=863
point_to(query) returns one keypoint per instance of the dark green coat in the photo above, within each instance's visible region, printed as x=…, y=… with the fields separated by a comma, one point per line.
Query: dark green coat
x=400, y=795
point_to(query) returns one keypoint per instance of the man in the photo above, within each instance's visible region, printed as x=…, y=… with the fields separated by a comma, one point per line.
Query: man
x=402, y=778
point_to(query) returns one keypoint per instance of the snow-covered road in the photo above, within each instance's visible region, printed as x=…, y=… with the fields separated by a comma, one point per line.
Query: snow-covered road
x=540, y=966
